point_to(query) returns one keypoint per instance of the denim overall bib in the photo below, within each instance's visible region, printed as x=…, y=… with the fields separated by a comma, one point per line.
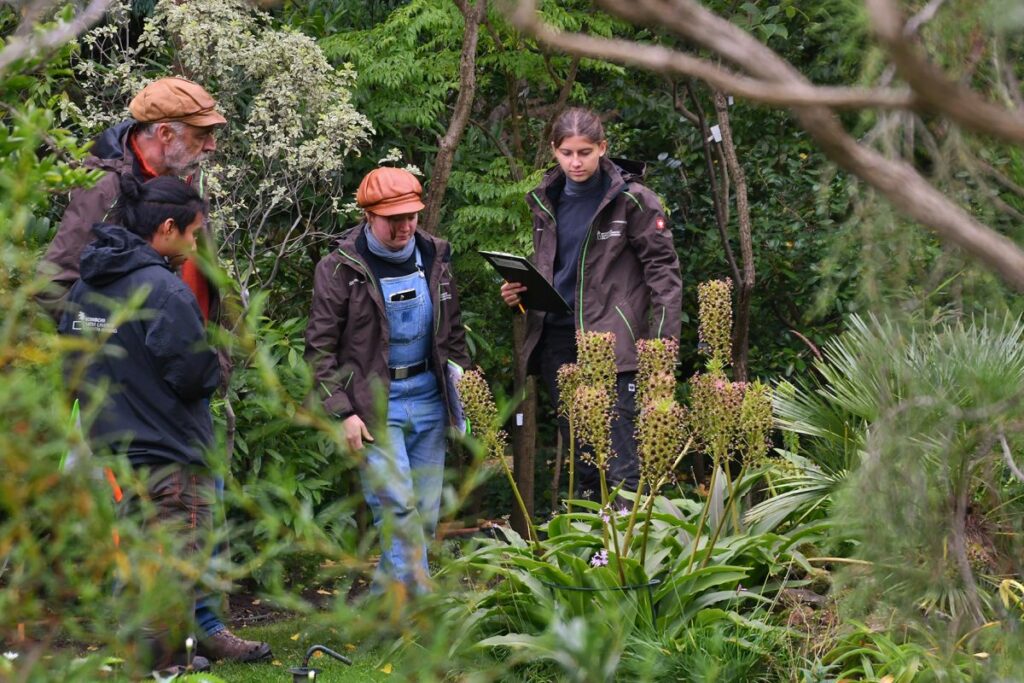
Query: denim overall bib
x=404, y=469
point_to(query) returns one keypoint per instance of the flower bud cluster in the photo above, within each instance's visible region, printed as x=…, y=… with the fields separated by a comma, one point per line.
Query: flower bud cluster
x=595, y=352
x=655, y=370
x=481, y=412
x=661, y=424
x=568, y=382
x=756, y=421
x=714, y=299
x=715, y=408
x=592, y=415
x=660, y=437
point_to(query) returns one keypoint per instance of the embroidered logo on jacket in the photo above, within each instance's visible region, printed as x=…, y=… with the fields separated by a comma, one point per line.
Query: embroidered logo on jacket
x=85, y=322
x=608, y=235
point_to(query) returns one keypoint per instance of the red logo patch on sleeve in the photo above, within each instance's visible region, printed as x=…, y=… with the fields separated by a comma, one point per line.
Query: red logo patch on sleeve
x=659, y=223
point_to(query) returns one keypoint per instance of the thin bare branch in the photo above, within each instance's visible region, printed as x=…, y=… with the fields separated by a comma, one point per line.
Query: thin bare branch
x=745, y=285
x=667, y=61
x=1005, y=67
x=20, y=47
x=719, y=191
x=810, y=345
x=934, y=87
x=926, y=14
x=1008, y=459
x=474, y=16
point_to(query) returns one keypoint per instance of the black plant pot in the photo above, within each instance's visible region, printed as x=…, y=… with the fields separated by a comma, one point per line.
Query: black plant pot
x=302, y=674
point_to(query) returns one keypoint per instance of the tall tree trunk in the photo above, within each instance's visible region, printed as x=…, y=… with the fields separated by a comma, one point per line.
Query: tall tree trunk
x=719, y=190
x=474, y=15
x=745, y=285
x=524, y=436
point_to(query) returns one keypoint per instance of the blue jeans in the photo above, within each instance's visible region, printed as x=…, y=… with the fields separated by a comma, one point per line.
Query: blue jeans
x=402, y=479
x=207, y=606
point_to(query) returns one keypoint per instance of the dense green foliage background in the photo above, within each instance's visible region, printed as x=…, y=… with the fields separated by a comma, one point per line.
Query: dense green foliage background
x=896, y=361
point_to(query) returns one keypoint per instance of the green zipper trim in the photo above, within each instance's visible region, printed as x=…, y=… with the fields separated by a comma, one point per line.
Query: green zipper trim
x=365, y=270
x=635, y=200
x=662, y=323
x=202, y=184
x=541, y=205
x=351, y=374
x=625, y=320
x=579, y=285
x=437, y=313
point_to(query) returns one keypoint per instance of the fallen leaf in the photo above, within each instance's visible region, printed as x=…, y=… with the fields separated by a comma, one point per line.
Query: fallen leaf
x=386, y=668
x=321, y=591
x=318, y=654
x=981, y=655
x=295, y=637
x=350, y=647
x=276, y=662
x=256, y=601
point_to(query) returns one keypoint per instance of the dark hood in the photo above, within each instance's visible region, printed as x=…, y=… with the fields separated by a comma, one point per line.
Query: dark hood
x=114, y=253
x=110, y=143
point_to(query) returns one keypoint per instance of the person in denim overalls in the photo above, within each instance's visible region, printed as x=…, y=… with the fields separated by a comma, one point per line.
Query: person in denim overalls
x=385, y=314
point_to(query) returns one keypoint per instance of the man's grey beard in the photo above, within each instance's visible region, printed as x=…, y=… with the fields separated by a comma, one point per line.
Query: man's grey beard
x=179, y=162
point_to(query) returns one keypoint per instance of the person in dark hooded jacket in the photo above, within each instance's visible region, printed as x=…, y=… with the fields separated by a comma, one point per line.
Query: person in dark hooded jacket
x=153, y=373
x=602, y=239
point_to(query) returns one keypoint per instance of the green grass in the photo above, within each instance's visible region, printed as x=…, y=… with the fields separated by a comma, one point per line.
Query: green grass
x=289, y=651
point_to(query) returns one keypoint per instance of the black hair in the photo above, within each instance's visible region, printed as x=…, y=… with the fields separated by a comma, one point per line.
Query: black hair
x=577, y=121
x=142, y=207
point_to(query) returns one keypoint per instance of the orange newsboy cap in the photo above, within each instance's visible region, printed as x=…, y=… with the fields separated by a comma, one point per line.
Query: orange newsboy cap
x=175, y=99
x=388, y=191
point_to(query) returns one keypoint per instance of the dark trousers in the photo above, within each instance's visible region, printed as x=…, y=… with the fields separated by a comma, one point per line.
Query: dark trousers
x=181, y=503
x=558, y=347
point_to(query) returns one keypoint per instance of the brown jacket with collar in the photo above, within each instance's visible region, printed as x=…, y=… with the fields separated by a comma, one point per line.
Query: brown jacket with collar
x=347, y=335
x=628, y=279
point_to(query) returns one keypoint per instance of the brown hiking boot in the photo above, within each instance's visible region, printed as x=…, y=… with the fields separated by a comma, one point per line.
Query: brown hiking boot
x=226, y=645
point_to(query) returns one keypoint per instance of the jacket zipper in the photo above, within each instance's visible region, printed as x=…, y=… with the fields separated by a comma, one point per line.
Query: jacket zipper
x=544, y=208
x=369, y=276
x=579, y=284
x=583, y=257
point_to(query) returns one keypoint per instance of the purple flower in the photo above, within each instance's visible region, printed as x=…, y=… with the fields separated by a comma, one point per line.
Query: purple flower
x=600, y=558
x=606, y=515
x=623, y=511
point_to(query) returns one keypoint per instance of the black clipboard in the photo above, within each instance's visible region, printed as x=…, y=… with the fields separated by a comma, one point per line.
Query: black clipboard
x=540, y=295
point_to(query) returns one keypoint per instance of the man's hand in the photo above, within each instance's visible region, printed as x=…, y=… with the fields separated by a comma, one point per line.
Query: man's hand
x=355, y=432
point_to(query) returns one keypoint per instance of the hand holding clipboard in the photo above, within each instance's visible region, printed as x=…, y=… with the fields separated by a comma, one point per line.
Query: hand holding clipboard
x=533, y=291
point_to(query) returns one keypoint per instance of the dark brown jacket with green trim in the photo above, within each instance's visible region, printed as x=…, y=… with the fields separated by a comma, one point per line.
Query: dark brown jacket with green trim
x=347, y=335
x=628, y=279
